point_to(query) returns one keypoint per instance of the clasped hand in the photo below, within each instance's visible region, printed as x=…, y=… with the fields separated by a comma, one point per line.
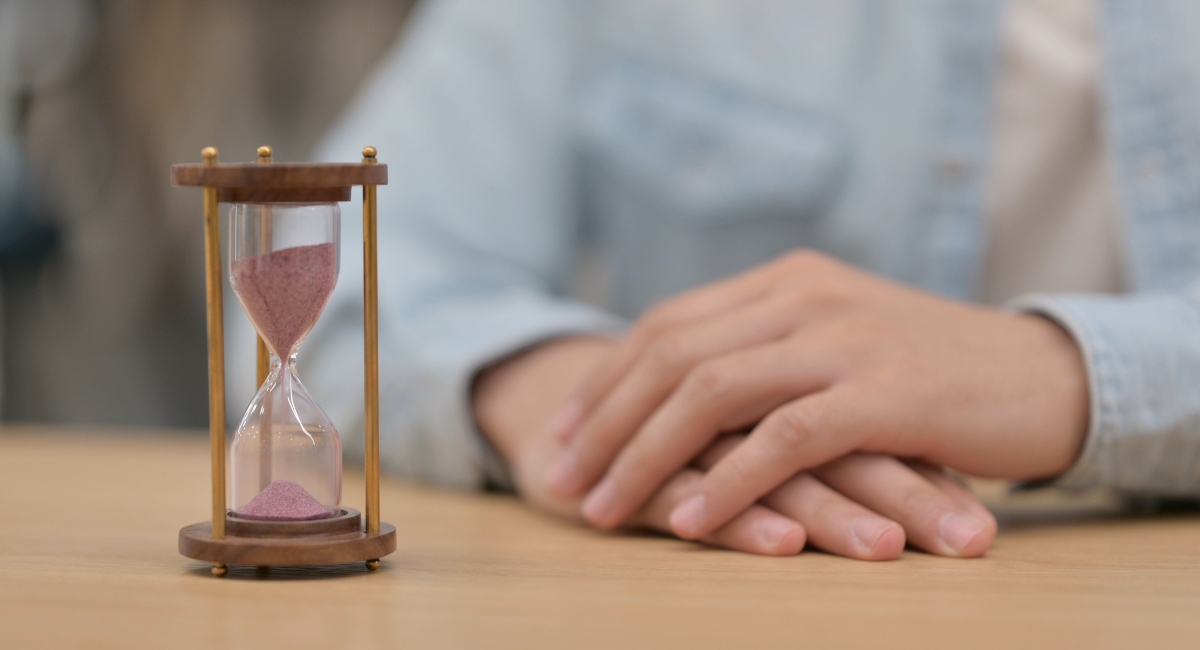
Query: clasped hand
x=802, y=402
x=820, y=361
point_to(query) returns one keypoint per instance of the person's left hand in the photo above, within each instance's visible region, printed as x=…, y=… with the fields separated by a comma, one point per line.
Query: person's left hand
x=822, y=360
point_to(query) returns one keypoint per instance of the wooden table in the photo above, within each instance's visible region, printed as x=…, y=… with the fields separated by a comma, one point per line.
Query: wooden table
x=88, y=524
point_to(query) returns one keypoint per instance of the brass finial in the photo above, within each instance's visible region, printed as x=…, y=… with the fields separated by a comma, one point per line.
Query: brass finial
x=264, y=154
x=209, y=154
x=369, y=152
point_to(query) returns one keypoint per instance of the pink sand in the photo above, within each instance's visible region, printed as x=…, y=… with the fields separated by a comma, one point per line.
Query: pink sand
x=284, y=501
x=284, y=291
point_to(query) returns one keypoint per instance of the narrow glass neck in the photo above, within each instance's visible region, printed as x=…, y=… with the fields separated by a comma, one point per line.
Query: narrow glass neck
x=291, y=360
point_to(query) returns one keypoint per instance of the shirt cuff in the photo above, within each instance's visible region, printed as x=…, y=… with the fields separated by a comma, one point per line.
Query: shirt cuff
x=458, y=340
x=1142, y=356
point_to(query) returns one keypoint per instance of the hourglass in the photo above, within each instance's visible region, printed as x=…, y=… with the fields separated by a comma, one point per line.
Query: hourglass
x=283, y=504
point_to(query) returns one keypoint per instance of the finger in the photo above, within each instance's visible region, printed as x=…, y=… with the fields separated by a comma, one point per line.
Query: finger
x=834, y=523
x=933, y=520
x=721, y=395
x=756, y=530
x=718, y=450
x=798, y=435
x=954, y=488
x=652, y=378
x=695, y=305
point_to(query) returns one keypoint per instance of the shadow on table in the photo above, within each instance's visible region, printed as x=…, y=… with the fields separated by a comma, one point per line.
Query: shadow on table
x=288, y=572
x=1023, y=509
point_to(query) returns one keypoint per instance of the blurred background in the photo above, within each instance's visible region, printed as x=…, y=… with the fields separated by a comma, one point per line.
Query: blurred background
x=101, y=260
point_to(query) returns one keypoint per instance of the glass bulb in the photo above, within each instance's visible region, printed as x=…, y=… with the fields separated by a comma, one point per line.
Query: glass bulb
x=286, y=456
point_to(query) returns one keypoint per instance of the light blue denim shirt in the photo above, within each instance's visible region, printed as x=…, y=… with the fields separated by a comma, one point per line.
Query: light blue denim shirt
x=693, y=139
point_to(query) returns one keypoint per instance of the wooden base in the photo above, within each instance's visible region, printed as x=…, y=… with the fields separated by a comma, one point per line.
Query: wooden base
x=321, y=542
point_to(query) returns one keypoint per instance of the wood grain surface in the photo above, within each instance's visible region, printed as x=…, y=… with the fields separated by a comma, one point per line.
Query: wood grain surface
x=88, y=524
x=196, y=541
x=279, y=174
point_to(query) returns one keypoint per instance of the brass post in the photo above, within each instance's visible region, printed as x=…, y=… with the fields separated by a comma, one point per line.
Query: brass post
x=216, y=348
x=265, y=227
x=371, y=347
x=264, y=246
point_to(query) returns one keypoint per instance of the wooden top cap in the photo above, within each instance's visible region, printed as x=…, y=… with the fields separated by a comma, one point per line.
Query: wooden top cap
x=278, y=182
x=278, y=175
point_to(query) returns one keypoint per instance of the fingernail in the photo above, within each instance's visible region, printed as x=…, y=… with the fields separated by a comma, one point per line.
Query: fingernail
x=868, y=530
x=687, y=517
x=773, y=530
x=561, y=477
x=957, y=530
x=598, y=505
x=564, y=423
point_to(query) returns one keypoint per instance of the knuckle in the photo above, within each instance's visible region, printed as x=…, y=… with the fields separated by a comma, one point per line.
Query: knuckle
x=805, y=259
x=667, y=353
x=792, y=428
x=916, y=501
x=826, y=509
x=659, y=318
x=825, y=295
x=814, y=498
x=857, y=336
x=705, y=382
x=737, y=475
x=925, y=503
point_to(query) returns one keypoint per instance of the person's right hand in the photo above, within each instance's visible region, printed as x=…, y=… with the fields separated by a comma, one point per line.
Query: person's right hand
x=860, y=506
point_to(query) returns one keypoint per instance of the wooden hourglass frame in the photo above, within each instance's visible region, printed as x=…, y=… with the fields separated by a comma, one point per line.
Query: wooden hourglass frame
x=338, y=539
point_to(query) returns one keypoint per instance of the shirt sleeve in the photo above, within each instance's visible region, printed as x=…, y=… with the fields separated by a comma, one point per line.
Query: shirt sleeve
x=477, y=228
x=1142, y=354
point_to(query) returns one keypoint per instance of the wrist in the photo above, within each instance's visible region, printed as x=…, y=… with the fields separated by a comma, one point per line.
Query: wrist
x=514, y=399
x=1065, y=378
